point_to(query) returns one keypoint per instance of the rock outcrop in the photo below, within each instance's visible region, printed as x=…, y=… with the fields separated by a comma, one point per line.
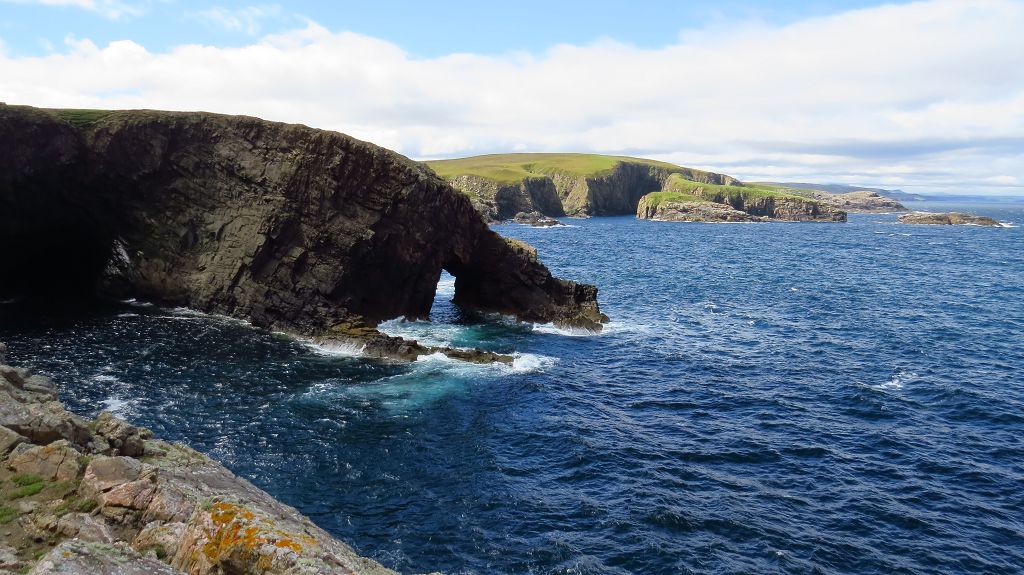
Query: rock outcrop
x=685, y=200
x=861, y=202
x=692, y=211
x=947, y=219
x=556, y=185
x=535, y=219
x=291, y=228
x=104, y=497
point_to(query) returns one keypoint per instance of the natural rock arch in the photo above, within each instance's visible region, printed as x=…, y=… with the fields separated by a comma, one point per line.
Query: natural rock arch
x=308, y=231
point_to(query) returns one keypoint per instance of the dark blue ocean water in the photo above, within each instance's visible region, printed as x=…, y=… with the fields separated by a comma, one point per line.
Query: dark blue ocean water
x=770, y=398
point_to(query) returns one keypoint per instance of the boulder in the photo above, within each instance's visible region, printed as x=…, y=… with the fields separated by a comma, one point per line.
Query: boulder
x=9, y=439
x=58, y=461
x=121, y=437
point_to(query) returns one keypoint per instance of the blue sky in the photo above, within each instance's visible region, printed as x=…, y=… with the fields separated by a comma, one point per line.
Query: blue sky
x=926, y=96
x=422, y=28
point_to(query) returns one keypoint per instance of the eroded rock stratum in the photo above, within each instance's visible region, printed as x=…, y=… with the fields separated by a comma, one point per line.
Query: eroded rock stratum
x=292, y=228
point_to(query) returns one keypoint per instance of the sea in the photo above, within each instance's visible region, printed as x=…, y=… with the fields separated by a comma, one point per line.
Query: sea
x=768, y=398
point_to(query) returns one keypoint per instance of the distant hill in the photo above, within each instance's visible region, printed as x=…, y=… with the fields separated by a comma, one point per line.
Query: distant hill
x=898, y=195
x=502, y=185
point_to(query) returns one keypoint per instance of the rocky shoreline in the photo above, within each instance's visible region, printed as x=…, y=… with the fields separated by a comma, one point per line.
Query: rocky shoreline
x=103, y=497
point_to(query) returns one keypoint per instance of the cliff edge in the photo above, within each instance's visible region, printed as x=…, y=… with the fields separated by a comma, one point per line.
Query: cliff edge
x=555, y=185
x=302, y=230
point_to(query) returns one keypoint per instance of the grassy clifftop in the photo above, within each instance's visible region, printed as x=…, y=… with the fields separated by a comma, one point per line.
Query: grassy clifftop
x=509, y=168
x=679, y=189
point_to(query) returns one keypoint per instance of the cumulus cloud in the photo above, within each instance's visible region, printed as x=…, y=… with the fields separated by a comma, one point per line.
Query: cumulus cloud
x=929, y=94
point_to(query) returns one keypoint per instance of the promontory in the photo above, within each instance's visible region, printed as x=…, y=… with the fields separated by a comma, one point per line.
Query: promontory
x=584, y=185
x=301, y=230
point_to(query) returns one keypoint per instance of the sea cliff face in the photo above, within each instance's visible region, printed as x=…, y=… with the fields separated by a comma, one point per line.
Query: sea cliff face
x=103, y=497
x=302, y=230
x=688, y=201
x=555, y=191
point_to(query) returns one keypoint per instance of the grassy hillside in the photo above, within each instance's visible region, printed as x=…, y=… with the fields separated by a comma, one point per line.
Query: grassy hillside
x=82, y=118
x=679, y=189
x=508, y=168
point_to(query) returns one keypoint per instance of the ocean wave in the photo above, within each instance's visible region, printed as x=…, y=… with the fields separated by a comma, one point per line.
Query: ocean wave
x=114, y=405
x=332, y=348
x=896, y=382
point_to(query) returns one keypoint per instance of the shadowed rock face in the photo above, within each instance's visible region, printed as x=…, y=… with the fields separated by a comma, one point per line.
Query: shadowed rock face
x=293, y=228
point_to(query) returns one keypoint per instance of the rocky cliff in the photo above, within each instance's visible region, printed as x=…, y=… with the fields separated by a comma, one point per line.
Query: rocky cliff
x=862, y=202
x=562, y=184
x=686, y=200
x=103, y=497
x=302, y=230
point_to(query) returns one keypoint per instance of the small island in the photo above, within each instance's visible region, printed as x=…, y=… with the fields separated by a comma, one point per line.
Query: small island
x=682, y=200
x=947, y=219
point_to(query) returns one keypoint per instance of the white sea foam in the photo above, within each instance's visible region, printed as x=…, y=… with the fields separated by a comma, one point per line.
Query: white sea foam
x=424, y=332
x=105, y=378
x=896, y=382
x=114, y=405
x=334, y=348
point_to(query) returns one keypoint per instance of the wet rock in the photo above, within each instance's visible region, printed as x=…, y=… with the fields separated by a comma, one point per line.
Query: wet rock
x=536, y=219
x=947, y=219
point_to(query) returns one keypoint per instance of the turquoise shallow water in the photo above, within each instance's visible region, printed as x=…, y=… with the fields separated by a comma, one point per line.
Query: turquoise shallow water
x=770, y=398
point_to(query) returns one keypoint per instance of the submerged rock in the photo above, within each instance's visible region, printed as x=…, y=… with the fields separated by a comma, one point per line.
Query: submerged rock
x=947, y=219
x=288, y=227
x=165, y=509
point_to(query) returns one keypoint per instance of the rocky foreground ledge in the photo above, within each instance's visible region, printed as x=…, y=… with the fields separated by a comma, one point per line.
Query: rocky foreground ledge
x=103, y=497
x=947, y=219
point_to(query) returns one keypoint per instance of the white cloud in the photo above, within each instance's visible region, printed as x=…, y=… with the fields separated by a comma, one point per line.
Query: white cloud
x=928, y=94
x=246, y=19
x=113, y=9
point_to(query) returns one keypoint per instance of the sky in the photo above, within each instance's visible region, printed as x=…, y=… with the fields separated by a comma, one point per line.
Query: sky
x=924, y=96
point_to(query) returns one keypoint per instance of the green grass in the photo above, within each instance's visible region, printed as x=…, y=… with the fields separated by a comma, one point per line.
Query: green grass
x=26, y=479
x=82, y=118
x=655, y=199
x=7, y=514
x=723, y=194
x=510, y=168
x=27, y=490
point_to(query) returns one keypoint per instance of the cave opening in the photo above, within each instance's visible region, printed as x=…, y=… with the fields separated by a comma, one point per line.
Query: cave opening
x=55, y=261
